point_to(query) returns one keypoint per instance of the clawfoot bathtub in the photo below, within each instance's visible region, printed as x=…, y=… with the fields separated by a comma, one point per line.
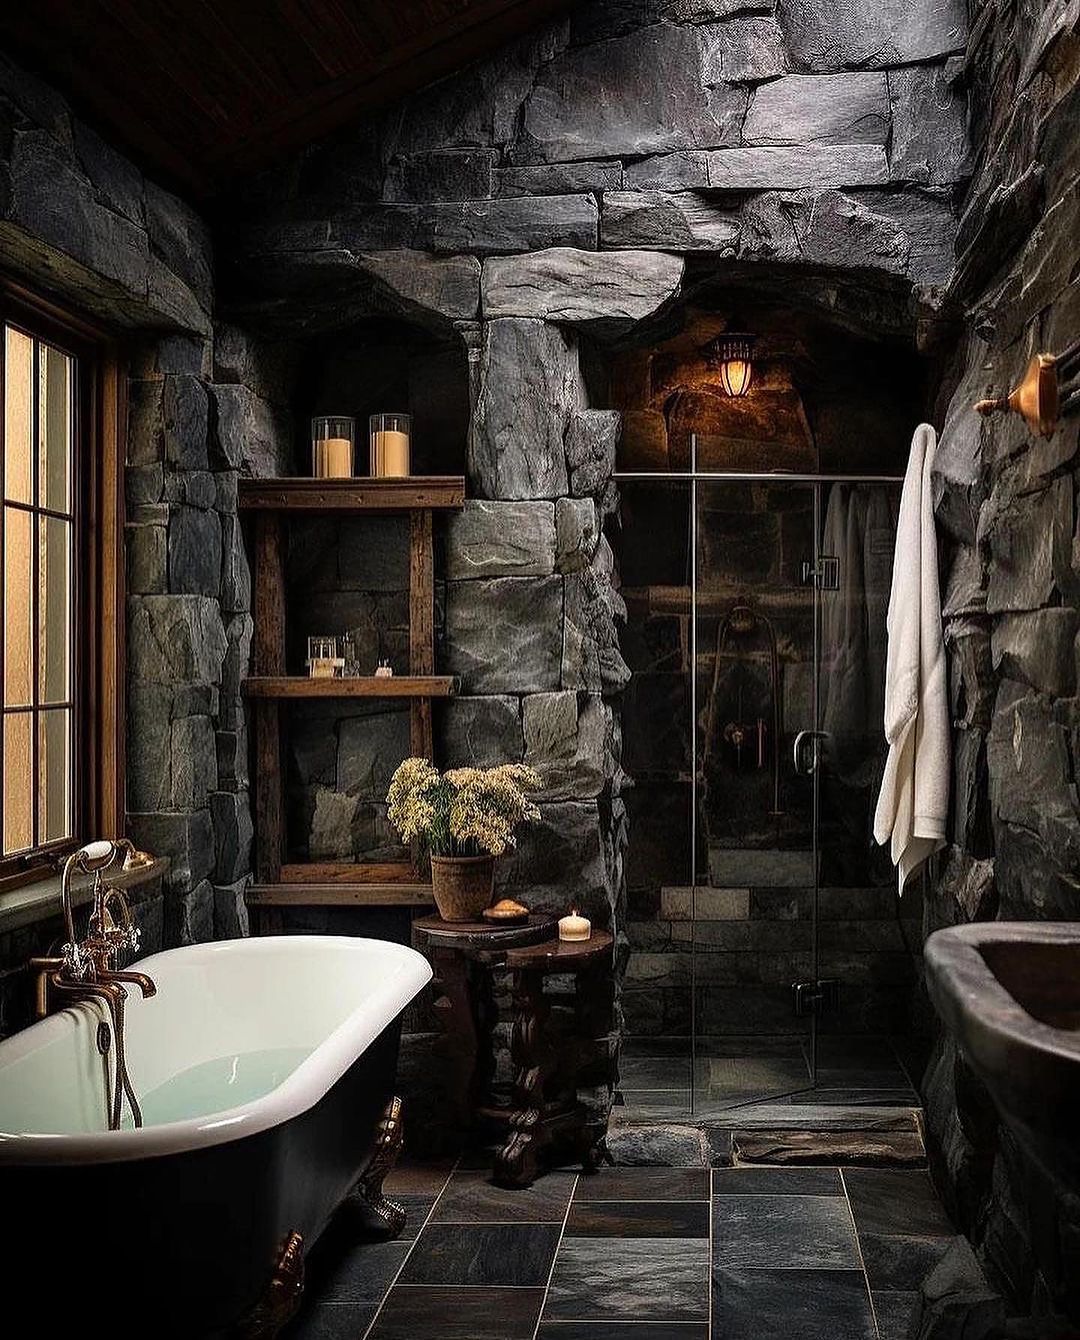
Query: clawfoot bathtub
x=265, y=1071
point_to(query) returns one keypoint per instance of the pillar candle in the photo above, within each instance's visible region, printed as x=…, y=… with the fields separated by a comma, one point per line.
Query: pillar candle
x=333, y=458
x=574, y=927
x=391, y=455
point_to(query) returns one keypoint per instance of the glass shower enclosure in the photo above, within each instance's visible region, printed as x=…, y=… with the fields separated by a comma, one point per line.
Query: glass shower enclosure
x=769, y=963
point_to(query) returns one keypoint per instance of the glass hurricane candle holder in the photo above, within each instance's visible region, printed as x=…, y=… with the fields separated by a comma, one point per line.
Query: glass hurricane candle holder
x=333, y=447
x=390, y=436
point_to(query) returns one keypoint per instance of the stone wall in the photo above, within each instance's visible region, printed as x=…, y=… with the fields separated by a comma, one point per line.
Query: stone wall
x=1006, y=504
x=808, y=134
x=199, y=416
x=80, y=223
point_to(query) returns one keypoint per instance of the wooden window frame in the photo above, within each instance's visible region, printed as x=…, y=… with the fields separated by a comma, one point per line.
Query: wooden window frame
x=98, y=502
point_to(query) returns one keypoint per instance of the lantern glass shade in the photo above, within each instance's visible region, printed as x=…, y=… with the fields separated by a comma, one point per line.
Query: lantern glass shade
x=732, y=357
x=736, y=375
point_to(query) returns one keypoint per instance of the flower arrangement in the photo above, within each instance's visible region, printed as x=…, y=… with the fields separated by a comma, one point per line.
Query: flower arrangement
x=464, y=812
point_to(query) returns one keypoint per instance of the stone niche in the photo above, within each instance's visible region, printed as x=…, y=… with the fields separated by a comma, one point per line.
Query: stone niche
x=351, y=575
x=829, y=395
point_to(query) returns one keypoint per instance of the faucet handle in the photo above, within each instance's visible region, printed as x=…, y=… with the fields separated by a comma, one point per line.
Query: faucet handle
x=76, y=961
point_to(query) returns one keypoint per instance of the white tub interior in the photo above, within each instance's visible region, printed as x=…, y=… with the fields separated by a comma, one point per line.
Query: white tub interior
x=241, y=1034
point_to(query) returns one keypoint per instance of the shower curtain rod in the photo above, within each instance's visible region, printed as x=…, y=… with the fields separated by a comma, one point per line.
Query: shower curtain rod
x=751, y=476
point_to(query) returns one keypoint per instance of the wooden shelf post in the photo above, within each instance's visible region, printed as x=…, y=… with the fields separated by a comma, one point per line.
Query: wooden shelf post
x=268, y=656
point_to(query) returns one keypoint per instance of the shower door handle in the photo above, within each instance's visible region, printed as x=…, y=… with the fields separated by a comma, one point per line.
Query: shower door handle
x=807, y=751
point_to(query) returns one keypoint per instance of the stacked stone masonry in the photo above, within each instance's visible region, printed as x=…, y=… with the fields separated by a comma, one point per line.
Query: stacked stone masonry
x=1006, y=508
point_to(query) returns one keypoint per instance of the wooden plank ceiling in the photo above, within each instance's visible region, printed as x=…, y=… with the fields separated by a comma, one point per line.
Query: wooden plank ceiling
x=204, y=91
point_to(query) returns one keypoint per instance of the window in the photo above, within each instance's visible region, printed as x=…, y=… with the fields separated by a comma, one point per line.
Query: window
x=58, y=508
x=37, y=744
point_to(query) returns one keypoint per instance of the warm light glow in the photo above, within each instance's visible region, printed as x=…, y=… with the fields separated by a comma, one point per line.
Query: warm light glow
x=735, y=376
x=731, y=356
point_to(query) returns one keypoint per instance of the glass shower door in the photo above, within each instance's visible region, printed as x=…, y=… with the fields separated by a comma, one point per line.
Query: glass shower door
x=866, y=943
x=756, y=650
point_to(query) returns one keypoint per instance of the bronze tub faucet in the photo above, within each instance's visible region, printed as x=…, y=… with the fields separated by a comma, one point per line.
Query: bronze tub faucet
x=87, y=969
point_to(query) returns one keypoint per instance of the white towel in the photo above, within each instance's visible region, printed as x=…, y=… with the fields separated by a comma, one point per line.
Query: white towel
x=913, y=806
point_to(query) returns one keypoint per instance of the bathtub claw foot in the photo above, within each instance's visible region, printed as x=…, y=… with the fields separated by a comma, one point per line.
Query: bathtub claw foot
x=279, y=1304
x=381, y=1214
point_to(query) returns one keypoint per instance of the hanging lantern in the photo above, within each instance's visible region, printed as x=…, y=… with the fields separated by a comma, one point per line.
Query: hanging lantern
x=731, y=356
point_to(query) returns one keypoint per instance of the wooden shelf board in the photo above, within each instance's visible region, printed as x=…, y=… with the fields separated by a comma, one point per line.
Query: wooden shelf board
x=350, y=873
x=339, y=895
x=417, y=493
x=367, y=686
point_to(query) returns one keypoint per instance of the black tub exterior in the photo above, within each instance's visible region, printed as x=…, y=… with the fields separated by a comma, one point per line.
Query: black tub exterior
x=185, y=1244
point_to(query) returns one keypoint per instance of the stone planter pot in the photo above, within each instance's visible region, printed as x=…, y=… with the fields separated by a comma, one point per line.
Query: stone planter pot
x=463, y=886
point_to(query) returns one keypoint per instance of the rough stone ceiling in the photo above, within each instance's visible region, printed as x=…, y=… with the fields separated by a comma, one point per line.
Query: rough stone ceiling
x=202, y=92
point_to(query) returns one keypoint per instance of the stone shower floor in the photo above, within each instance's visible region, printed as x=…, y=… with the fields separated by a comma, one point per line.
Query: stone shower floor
x=748, y=1253
x=660, y=1082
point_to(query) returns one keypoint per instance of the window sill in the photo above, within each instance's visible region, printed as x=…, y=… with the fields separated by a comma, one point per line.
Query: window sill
x=40, y=901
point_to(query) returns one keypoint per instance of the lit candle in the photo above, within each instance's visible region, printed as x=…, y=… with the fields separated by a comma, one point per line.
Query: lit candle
x=574, y=927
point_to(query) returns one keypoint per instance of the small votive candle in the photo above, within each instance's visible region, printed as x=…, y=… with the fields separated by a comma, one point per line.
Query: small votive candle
x=333, y=440
x=574, y=927
x=389, y=436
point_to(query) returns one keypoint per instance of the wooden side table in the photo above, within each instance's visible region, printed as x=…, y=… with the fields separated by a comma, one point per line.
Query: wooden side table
x=547, y=1105
x=463, y=955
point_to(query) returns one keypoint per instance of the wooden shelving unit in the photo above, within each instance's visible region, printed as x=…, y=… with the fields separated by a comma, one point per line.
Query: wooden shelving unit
x=269, y=502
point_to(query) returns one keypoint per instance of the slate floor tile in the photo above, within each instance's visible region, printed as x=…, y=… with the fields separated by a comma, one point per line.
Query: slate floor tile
x=360, y=1273
x=417, y=1209
x=471, y=1197
x=753, y=1046
x=413, y=1178
x=644, y=1184
x=855, y=1052
x=652, y=1072
x=791, y=1305
x=322, y=1321
x=866, y=1097
x=634, y=1219
x=656, y=1047
x=496, y=1254
x=783, y=1232
x=882, y=1075
x=416, y=1312
x=894, y=1310
x=722, y=1080
x=664, y=1104
x=893, y=1261
x=896, y=1200
x=630, y=1279
x=623, y=1330
x=777, y=1182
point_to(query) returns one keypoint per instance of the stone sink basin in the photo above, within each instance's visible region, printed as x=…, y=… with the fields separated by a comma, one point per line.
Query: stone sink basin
x=1010, y=991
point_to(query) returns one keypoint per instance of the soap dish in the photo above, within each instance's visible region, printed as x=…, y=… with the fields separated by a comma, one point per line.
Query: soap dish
x=506, y=912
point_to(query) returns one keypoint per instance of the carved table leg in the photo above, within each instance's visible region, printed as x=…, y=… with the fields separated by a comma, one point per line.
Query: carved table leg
x=517, y=1163
x=281, y=1300
x=382, y=1215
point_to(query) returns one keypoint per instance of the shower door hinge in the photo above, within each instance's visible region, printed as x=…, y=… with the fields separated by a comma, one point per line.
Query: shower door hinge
x=824, y=573
x=818, y=998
